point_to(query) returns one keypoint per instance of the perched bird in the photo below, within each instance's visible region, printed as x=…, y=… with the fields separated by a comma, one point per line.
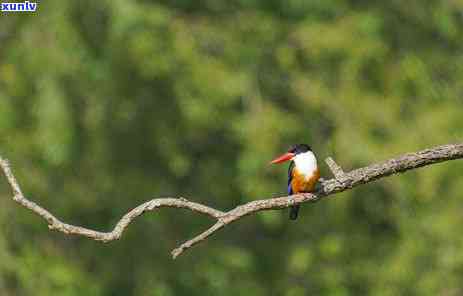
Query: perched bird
x=303, y=172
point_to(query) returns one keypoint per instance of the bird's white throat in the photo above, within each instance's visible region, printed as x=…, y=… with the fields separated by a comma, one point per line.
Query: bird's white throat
x=306, y=163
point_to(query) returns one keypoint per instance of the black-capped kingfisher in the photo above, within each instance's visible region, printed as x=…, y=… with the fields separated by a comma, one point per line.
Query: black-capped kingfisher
x=303, y=172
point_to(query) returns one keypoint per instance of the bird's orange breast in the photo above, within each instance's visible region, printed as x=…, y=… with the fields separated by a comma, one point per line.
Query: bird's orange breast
x=301, y=183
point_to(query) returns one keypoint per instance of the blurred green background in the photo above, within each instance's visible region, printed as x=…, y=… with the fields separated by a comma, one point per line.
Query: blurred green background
x=106, y=104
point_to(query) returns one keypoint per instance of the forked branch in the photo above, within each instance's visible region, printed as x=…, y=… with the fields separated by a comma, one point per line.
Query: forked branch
x=342, y=181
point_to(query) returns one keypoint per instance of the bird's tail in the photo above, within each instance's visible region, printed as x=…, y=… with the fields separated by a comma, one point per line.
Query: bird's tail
x=293, y=212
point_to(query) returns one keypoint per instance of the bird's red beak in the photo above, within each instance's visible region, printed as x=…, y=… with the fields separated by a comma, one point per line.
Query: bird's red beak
x=285, y=157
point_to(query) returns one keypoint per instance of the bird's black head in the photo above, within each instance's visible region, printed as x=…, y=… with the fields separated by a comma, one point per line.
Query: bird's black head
x=299, y=148
x=292, y=152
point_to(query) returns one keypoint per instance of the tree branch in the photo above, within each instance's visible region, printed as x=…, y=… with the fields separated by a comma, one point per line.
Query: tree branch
x=342, y=181
x=337, y=171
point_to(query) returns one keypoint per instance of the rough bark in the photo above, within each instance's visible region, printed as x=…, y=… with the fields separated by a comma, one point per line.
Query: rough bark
x=342, y=181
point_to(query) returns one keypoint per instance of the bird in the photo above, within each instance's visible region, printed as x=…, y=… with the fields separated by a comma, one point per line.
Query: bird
x=303, y=172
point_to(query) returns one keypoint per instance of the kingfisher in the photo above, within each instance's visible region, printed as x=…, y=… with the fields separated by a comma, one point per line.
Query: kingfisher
x=303, y=172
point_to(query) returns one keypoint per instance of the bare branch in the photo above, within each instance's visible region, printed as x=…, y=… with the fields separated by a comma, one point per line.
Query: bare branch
x=55, y=224
x=342, y=181
x=197, y=239
x=337, y=171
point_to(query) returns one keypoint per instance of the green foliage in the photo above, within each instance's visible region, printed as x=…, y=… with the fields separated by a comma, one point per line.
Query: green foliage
x=105, y=104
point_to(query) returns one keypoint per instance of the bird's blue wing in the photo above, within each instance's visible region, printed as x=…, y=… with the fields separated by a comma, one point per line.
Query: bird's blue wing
x=290, y=177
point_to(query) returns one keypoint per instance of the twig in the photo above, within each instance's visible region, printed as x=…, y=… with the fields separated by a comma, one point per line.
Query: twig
x=342, y=181
x=337, y=171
